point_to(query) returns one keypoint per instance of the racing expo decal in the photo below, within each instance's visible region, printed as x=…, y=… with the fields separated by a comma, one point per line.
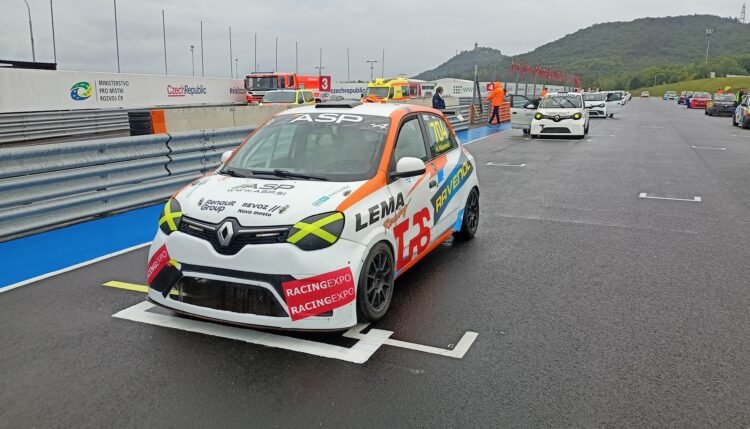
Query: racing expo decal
x=162, y=272
x=319, y=294
x=450, y=187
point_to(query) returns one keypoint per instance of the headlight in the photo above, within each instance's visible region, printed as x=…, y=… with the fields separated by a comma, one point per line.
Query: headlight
x=538, y=116
x=577, y=116
x=317, y=232
x=171, y=216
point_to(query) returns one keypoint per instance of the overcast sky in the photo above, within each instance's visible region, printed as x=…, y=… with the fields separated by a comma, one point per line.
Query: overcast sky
x=417, y=35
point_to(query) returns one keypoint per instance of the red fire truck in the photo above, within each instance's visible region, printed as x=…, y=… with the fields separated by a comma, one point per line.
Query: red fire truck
x=257, y=84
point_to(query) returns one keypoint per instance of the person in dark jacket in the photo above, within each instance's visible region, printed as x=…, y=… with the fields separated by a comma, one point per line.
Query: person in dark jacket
x=437, y=99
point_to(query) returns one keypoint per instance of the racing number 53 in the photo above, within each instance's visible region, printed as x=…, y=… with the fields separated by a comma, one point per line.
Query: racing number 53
x=417, y=244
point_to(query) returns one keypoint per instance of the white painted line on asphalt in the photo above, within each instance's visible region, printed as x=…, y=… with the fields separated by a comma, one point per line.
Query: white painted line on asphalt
x=485, y=137
x=365, y=347
x=359, y=353
x=645, y=195
x=656, y=127
x=602, y=135
x=505, y=165
x=457, y=352
x=72, y=267
x=737, y=135
x=709, y=148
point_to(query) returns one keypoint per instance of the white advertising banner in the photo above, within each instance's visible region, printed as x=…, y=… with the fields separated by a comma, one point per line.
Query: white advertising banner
x=43, y=90
x=348, y=90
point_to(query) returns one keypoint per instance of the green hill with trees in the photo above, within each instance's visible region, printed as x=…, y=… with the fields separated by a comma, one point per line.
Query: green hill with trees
x=623, y=54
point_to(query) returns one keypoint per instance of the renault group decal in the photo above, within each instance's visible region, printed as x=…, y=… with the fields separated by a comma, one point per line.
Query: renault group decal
x=81, y=91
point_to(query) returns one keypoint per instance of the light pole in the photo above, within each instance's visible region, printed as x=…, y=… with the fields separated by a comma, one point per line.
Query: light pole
x=230, y=52
x=236, y=67
x=52, y=17
x=117, y=39
x=709, y=32
x=372, y=66
x=255, y=52
x=203, y=70
x=320, y=64
x=31, y=32
x=192, y=58
x=320, y=70
x=164, y=35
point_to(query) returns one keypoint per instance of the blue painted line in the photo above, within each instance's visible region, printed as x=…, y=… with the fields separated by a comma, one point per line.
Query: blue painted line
x=47, y=252
x=33, y=256
x=474, y=134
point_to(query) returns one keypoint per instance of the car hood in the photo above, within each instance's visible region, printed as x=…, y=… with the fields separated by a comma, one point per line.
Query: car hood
x=258, y=202
x=561, y=112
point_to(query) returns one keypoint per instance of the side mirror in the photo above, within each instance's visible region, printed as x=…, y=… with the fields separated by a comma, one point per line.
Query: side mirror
x=225, y=156
x=409, y=167
x=531, y=106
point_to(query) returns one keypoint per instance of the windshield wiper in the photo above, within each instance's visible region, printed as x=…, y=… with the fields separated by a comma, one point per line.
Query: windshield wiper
x=234, y=173
x=286, y=173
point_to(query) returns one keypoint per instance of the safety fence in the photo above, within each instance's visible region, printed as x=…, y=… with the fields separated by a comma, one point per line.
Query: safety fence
x=46, y=185
x=16, y=127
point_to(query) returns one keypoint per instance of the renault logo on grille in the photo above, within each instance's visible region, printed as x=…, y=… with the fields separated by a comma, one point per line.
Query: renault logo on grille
x=557, y=118
x=225, y=233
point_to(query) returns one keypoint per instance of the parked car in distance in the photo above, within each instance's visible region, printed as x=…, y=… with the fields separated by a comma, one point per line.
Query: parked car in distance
x=645, y=94
x=670, y=95
x=699, y=100
x=721, y=104
x=681, y=98
x=741, y=117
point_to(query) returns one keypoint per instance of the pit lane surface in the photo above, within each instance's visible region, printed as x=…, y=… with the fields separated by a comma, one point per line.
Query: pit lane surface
x=594, y=307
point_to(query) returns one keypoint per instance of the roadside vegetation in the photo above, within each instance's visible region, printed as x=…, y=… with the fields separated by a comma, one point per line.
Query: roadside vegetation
x=702, y=85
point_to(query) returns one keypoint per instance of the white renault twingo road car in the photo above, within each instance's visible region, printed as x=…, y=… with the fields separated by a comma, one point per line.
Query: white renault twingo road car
x=561, y=114
x=308, y=223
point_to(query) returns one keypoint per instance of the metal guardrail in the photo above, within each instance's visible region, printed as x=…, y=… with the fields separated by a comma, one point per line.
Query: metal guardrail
x=46, y=185
x=15, y=127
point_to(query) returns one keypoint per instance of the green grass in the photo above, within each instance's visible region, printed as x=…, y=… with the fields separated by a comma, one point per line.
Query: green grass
x=701, y=85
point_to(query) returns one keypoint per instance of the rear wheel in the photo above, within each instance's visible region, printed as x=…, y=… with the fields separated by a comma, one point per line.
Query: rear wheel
x=375, y=289
x=470, y=221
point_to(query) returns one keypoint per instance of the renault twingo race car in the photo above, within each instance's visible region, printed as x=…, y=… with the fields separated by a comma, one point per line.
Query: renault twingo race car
x=561, y=113
x=307, y=224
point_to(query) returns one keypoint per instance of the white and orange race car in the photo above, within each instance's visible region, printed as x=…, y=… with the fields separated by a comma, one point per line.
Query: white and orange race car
x=307, y=224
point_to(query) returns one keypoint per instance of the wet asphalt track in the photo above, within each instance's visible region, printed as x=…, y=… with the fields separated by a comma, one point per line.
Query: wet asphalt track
x=594, y=307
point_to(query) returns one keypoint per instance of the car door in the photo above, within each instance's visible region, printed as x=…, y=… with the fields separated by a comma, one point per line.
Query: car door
x=520, y=115
x=408, y=214
x=449, y=169
x=614, y=103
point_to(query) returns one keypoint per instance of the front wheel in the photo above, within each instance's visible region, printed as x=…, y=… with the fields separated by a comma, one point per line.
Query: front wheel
x=375, y=289
x=470, y=220
x=734, y=120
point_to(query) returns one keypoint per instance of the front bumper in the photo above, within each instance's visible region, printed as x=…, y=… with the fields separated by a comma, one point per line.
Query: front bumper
x=246, y=288
x=597, y=113
x=565, y=127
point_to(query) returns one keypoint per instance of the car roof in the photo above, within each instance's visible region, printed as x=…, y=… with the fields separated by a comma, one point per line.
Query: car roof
x=376, y=109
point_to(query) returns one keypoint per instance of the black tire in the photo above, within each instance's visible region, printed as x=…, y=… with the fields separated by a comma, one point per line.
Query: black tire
x=470, y=222
x=534, y=136
x=734, y=120
x=526, y=132
x=586, y=130
x=744, y=124
x=375, y=289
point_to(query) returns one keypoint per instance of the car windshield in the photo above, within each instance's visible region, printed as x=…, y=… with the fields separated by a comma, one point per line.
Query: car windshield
x=724, y=97
x=561, y=102
x=341, y=147
x=594, y=97
x=263, y=83
x=702, y=95
x=280, y=97
x=378, y=91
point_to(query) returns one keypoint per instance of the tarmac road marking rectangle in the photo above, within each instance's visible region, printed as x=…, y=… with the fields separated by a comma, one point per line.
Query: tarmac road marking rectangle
x=708, y=148
x=367, y=345
x=358, y=353
x=695, y=199
x=505, y=165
